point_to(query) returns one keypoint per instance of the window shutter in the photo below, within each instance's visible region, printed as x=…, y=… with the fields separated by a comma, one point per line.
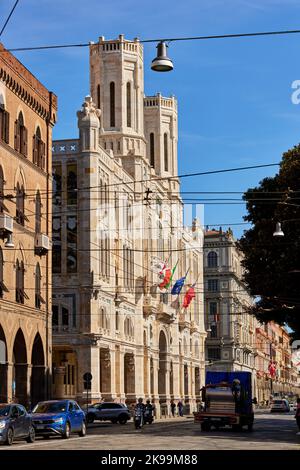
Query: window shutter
x=6, y=127
x=42, y=154
x=17, y=136
x=24, y=143
x=35, y=154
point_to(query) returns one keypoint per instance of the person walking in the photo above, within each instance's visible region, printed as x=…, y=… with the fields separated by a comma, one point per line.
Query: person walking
x=173, y=408
x=297, y=416
x=180, y=408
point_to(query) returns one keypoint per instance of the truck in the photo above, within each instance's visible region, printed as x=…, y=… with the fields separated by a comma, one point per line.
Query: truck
x=227, y=401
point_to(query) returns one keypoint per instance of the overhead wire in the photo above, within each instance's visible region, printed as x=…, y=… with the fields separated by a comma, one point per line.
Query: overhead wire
x=170, y=39
x=9, y=17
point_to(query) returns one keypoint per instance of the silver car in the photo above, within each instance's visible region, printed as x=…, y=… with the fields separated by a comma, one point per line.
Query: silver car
x=114, y=412
x=280, y=406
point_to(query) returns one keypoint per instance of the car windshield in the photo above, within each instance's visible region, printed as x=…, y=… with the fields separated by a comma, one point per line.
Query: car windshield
x=278, y=402
x=50, y=407
x=4, y=410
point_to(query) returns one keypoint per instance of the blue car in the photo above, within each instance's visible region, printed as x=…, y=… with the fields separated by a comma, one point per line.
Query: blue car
x=15, y=423
x=58, y=417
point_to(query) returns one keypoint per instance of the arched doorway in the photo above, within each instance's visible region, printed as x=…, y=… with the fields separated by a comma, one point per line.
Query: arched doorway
x=162, y=371
x=3, y=367
x=37, y=388
x=129, y=374
x=20, y=369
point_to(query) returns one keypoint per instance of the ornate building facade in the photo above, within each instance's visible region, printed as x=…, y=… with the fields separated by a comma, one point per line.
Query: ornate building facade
x=27, y=115
x=116, y=210
x=230, y=344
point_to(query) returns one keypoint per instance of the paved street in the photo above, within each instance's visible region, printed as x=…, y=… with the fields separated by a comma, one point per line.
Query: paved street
x=272, y=431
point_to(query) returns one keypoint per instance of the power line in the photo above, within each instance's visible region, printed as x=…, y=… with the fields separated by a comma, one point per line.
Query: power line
x=174, y=39
x=163, y=178
x=8, y=18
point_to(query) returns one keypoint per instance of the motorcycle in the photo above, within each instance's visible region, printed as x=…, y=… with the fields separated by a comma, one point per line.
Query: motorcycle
x=138, y=418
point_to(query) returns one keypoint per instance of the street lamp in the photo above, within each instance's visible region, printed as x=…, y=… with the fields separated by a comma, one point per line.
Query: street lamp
x=162, y=63
x=278, y=231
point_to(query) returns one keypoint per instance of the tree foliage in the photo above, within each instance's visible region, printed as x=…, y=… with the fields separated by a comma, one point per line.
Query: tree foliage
x=272, y=264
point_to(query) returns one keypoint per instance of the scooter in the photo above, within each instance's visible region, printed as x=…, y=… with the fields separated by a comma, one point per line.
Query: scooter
x=138, y=418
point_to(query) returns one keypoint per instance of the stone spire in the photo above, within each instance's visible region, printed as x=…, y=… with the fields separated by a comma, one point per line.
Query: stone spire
x=89, y=125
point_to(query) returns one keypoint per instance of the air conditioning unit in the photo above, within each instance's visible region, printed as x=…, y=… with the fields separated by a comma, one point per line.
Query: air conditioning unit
x=6, y=223
x=42, y=242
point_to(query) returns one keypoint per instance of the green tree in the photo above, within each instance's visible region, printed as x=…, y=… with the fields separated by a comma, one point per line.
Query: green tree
x=272, y=264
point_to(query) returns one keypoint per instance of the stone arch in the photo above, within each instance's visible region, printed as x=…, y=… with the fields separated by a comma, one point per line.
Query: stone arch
x=3, y=366
x=20, y=368
x=162, y=370
x=38, y=379
x=2, y=98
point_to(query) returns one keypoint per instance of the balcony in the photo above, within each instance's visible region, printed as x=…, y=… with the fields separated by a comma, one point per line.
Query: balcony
x=149, y=305
x=164, y=314
x=183, y=322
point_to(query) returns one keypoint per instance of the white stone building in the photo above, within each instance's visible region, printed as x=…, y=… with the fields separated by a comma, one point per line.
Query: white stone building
x=230, y=342
x=115, y=209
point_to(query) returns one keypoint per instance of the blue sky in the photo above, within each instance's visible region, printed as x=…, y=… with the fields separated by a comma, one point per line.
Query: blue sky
x=234, y=95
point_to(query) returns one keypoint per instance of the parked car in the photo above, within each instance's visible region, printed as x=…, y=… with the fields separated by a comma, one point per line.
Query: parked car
x=280, y=406
x=114, y=412
x=15, y=423
x=58, y=417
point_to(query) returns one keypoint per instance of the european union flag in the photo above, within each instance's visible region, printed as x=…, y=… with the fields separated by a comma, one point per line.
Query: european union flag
x=176, y=289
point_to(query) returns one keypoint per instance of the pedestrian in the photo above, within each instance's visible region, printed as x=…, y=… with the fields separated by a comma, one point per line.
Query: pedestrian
x=180, y=408
x=297, y=416
x=173, y=408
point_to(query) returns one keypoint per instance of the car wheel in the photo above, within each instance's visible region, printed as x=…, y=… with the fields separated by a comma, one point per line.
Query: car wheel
x=31, y=435
x=67, y=431
x=9, y=437
x=90, y=418
x=82, y=432
x=123, y=419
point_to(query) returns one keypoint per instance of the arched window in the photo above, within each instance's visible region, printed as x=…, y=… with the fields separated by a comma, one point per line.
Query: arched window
x=212, y=259
x=20, y=204
x=20, y=282
x=4, y=122
x=166, y=156
x=112, y=104
x=38, y=286
x=128, y=94
x=1, y=273
x=20, y=135
x=39, y=150
x=1, y=189
x=152, y=157
x=98, y=97
x=38, y=212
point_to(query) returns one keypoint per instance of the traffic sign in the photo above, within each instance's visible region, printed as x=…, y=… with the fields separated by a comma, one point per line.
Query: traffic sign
x=87, y=377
